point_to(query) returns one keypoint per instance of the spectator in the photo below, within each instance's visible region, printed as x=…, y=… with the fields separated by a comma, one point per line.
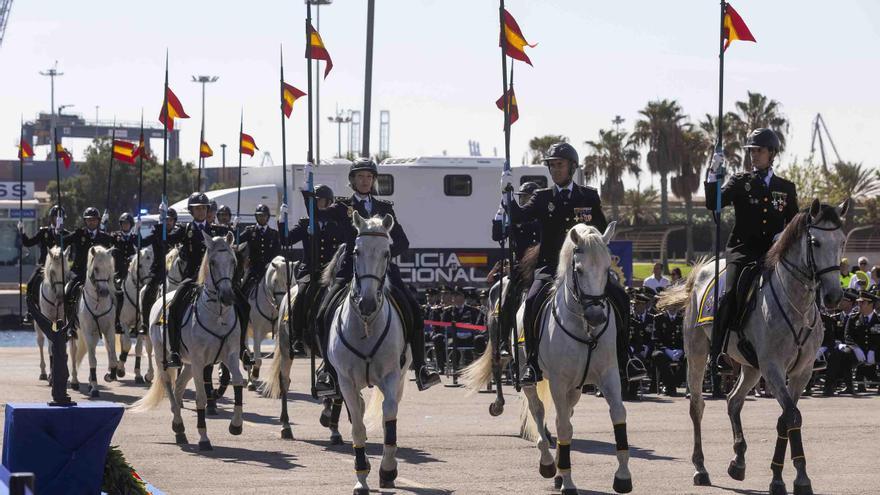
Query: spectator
x=657, y=280
x=845, y=275
x=874, y=283
x=675, y=276
x=859, y=281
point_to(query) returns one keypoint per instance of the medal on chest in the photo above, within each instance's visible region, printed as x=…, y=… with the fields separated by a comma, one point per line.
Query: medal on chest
x=551, y=207
x=780, y=199
x=583, y=215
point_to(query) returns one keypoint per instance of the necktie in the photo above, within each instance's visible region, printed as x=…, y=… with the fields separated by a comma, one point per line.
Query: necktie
x=564, y=194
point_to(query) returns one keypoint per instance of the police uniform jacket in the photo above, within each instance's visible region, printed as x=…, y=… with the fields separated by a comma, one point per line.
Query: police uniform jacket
x=641, y=329
x=125, y=247
x=668, y=330
x=556, y=216
x=263, y=244
x=154, y=240
x=330, y=235
x=835, y=327
x=343, y=209
x=46, y=238
x=761, y=212
x=462, y=314
x=192, y=245
x=861, y=331
x=525, y=235
x=80, y=241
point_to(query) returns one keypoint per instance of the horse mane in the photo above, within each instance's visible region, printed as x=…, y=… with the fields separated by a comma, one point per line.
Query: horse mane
x=203, y=268
x=329, y=272
x=53, y=254
x=99, y=252
x=796, y=228
x=528, y=263
x=592, y=240
x=170, y=257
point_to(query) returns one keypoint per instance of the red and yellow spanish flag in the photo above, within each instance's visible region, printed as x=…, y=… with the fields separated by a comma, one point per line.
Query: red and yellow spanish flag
x=62, y=153
x=25, y=150
x=289, y=95
x=205, y=150
x=735, y=28
x=173, y=110
x=247, y=146
x=140, y=149
x=513, y=41
x=514, y=109
x=124, y=151
x=316, y=49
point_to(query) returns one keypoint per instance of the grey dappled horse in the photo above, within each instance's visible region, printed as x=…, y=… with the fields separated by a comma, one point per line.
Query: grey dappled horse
x=51, y=299
x=265, y=300
x=96, y=314
x=129, y=319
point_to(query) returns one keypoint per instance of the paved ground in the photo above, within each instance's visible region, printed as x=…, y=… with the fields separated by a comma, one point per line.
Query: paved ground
x=449, y=443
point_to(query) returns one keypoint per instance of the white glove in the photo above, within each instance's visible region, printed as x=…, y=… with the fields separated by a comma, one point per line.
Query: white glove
x=715, y=165
x=137, y=224
x=163, y=209
x=506, y=181
x=20, y=227
x=59, y=223
x=282, y=212
x=307, y=171
x=105, y=218
x=234, y=222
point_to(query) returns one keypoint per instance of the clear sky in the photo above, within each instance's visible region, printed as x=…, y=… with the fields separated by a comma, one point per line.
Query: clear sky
x=437, y=67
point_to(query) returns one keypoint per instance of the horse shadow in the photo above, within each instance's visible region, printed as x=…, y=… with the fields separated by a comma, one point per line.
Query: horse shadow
x=248, y=416
x=236, y=455
x=111, y=396
x=417, y=491
x=407, y=454
x=586, y=446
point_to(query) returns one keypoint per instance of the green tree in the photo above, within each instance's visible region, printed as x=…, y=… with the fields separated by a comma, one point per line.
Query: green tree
x=538, y=145
x=612, y=156
x=758, y=111
x=89, y=186
x=850, y=180
x=639, y=206
x=687, y=181
x=660, y=131
x=733, y=150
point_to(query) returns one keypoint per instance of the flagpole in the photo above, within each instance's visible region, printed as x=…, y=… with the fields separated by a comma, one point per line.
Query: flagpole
x=20, y=218
x=310, y=182
x=238, y=194
x=285, y=231
x=59, y=222
x=137, y=299
x=719, y=174
x=163, y=213
x=201, y=159
x=106, y=215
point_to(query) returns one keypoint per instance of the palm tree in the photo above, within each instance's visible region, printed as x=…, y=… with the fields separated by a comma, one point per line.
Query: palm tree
x=759, y=111
x=732, y=145
x=612, y=156
x=851, y=180
x=687, y=181
x=660, y=131
x=538, y=145
x=640, y=206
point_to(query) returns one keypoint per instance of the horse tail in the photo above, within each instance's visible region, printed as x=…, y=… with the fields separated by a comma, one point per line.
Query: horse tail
x=157, y=391
x=477, y=374
x=373, y=413
x=528, y=429
x=676, y=298
x=81, y=347
x=271, y=387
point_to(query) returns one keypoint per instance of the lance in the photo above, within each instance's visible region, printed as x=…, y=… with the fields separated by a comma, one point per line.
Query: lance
x=137, y=298
x=238, y=194
x=310, y=187
x=20, y=218
x=285, y=230
x=105, y=218
x=59, y=220
x=719, y=148
x=58, y=339
x=163, y=213
x=201, y=158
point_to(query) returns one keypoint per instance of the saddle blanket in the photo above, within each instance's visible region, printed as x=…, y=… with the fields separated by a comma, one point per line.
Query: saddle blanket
x=707, y=298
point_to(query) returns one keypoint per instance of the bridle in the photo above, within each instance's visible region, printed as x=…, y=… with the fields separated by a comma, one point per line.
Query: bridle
x=585, y=300
x=356, y=289
x=215, y=282
x=813, y=274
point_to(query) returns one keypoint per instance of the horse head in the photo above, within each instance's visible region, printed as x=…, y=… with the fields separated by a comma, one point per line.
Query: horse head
x=100, y=270
x=372, y=257
x=218, y=267
x=53, y=273
x=586, y=260
x=146, y=262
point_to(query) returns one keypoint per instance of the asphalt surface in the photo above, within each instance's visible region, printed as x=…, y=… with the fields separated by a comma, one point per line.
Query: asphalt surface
x=450, y=444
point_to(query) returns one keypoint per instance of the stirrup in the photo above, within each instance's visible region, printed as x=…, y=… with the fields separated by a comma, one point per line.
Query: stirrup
x=426, y=378
x=722, y=366
x=324, y=386
x=247, y=358
x=173, y=361
x=530, y=376
x=635, y=370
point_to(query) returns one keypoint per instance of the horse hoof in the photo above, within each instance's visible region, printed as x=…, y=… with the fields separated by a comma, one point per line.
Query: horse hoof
x=255, y=372
x=386, y=478
x=211, y=408
x=93, y=393
x=120, y=372
x=623, y=485
x=557, y=482
x=495, y=409
x=139, y=380
x=803, y=489
x=44, y=377
x=286, y=434
x=235, y=430
x=778, y=488
x=110, y=377
x=547, y=470
x=325, y=418
x=177, y=428
x=180, y=438
x=736, y=472
x=361, y=491
x=336, y=439
x=701, y=479
x=386, y=484
x=74, y=386
x=252, y=387
x=570, y=491
x=205, y=446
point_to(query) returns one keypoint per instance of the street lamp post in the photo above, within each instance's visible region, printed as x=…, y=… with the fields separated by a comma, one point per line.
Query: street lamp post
x=317, y=4
x=339, y=119
x=203, y=80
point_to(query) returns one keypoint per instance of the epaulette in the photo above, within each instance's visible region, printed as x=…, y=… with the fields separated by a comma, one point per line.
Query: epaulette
x=343, y=200
x=590, y=188
x=386, y=201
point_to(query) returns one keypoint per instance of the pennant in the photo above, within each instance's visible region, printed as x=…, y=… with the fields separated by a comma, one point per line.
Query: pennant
x=316, y=49
x=205, y=150
x=62, y=153
x=513, y=41
x=735, y=28
x=124, y=151
x=514, y=109
x=289, y=95
x=140, y=149
x=25, y=150
x=173, y=110
x=247, y=146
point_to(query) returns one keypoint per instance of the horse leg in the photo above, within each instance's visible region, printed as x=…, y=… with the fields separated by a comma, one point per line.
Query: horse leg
x=355, y=403
x=176, y=421
x=150, y=371
x=138, y=349
x=208, y=378
x=238, y=383
x=92, y=344
x=41, y=339
x=255, y=369
x=546, y=466
x=610, y=386
x=788, y=430
x=71, y=357
x=388, y=467
x=201, y=402
x=109, y=335
x=284, y=380
x=796, y=383
x=748, y=377
x=564, y=432
x=125, y=344
x=697, y=347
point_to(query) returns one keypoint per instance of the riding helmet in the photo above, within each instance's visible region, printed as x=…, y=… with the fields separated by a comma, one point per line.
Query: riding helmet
x=91, y=212
x=763, y=138
x=224, y=209
x=213, y=206
x=563, y=151
x=363, y=164
x=126, y=217
x=197, y=199
x=527, y=188
x=261, y=210
x=53, y=212
x=172, y=213
x=324, y=192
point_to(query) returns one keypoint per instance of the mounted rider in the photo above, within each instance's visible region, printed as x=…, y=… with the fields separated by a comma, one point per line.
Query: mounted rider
x=157, y=269
x=262, y=244
x=559, y=208
x=224, y=216
x=362, y=179
x=80, y=241
x=47, y=238
x=125, y=246
x=763, y=203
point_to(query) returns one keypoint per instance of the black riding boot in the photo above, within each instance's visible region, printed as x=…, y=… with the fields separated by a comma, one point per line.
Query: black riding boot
x=150, y=293
x=531, y=371
x=70, y=294
x=243, y=310
x=425, y=378
x=119, y=301
x=325, y=378
x=719, y=332
x=174, y=320
x=631, y=367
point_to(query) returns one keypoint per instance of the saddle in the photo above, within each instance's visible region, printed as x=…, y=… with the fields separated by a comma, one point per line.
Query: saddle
x=534, y=310
x=742, y=305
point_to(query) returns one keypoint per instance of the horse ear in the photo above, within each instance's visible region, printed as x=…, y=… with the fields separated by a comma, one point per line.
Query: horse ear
x=92, y=251
x=844, y=207
x=208, y=241
x=357, y=220
x=815, y=208
x=609, y=232
x=574, y=237
x=229, y=238
x=388, y=222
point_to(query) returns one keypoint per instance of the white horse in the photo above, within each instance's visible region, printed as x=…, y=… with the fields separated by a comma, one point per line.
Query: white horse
x=368, y=349
x=129, y=316
x=173, y=269
x=209, y=333
x=265, y=300
x=784, y=329
x=96, y=315
x=577, y=346
x=50, y=299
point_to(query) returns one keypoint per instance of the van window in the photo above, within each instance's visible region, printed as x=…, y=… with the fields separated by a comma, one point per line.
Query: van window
x=385, y=185
x=457, y=185
x=540, y=180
